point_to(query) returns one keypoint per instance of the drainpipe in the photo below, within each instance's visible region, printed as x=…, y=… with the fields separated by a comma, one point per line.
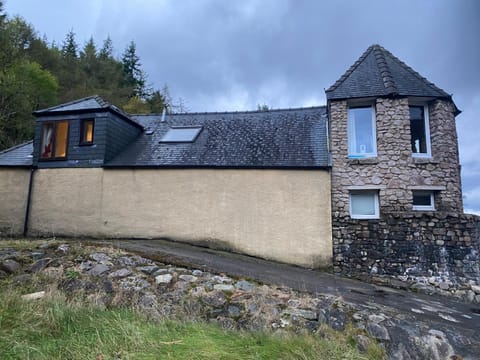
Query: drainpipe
x=29, y=200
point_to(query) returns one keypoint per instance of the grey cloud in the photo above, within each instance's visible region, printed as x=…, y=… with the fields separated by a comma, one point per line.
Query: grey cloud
x=235, y=54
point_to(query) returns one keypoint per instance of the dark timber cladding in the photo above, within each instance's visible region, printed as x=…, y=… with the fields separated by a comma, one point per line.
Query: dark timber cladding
x=113, y=130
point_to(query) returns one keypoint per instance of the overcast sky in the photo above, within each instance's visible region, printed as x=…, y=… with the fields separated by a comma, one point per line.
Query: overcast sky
x=232, y=55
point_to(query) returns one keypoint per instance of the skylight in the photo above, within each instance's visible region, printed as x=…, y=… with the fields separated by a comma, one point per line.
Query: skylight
x=181, y=134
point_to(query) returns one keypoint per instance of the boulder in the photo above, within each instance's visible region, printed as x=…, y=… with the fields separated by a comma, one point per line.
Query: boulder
x=39, y=265
x=10, y=266
x=163, y=279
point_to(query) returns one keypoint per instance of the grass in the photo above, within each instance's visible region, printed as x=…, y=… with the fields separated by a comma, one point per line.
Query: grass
x=57, y=328
x=52, y=328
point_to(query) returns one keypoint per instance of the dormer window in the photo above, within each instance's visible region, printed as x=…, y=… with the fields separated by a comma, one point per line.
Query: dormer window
x=54, y=140
x=86, y=131
x=362, y=139
x=420, y=131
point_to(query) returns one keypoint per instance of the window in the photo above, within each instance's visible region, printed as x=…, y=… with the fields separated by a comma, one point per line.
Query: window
x=364, y=204
x=423, y=200
x=54, y=140
x=420, y=132
x=362, y=140
x=86, y=131
x=181, y=134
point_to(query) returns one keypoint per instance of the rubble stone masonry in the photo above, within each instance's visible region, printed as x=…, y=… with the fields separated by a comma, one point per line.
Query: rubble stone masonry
x=402, y=240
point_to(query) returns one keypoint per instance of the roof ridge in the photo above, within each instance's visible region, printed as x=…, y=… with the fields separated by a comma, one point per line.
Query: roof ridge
x=99, y=99
x=415, y=73
x=387, y=78
x=234, y=112
x=351, y=69
x=15, y=147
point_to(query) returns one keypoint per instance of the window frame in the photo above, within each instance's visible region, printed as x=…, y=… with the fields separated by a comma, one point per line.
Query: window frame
x=165, y=138
x=83, y=123
x=351, y=133
x=430, y=207
x=376, y=199
x=54, y=156
x=426, y=119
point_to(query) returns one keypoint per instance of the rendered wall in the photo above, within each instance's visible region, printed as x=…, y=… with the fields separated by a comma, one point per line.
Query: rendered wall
x=13, y=200
x=282, y=215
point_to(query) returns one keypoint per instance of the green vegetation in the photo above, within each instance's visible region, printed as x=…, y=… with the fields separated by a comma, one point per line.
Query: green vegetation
x=51, y=328
x=66, y=326
x=36, y=74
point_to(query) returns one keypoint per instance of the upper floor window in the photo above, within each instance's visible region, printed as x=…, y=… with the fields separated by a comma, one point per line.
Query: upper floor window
x=54, y=140
x=420, y=131
x=86, y=131
x=362, y=138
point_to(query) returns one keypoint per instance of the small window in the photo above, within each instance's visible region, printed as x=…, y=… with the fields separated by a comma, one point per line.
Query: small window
x=364, y=204
x=362, y=140
x=423, y=200
x=419, y=130
x=54, y=140
x=181, y=134
x=86, y=131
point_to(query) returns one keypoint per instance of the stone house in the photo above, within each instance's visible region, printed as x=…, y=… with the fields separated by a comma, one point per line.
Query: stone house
x=369, y=183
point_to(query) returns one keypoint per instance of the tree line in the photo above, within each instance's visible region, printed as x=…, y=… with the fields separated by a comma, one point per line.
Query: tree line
x=36, y=74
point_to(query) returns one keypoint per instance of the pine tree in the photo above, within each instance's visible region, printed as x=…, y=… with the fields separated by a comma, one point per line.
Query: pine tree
x=106, y=52
x=70, y=47
x=134, y=75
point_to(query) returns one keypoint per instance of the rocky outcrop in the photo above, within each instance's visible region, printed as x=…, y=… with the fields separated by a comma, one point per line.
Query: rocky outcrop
x=109, y=277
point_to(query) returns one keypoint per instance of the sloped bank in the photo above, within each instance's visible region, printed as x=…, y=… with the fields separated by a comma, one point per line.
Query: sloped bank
x=109, y=277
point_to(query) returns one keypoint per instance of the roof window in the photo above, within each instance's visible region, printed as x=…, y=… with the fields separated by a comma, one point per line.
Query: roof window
x=181, y=134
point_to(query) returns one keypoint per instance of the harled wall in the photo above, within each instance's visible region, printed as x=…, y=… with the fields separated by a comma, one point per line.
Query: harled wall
x=282, y=215
x=13, y=200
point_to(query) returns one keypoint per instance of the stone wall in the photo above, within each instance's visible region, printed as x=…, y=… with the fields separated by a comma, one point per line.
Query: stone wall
x=445, y=245
x=394, y=171
x=402, y=242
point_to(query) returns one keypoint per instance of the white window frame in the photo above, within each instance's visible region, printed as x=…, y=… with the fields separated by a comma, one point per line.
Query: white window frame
x=430, y=207
x=376, y=215
x=352, y=138
x=426, y=116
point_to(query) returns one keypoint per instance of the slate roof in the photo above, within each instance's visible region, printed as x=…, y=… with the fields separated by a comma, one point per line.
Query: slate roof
x=90, y=102
x=19, y=156
x=379, y=73
x=293, y=138
x=87, y=104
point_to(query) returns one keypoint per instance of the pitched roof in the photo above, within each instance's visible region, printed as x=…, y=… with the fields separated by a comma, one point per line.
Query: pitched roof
x=293, y=138
x=90, y=102
x=87, y=104
x=20, y=155
x=379, y=73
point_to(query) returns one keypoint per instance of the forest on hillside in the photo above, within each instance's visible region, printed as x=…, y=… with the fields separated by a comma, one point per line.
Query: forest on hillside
x=36, y=74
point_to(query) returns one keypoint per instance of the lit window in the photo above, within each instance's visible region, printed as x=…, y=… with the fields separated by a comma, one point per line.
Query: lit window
x=182, y=134
x=423, y=200
x=54, y=140
x=86, y=131
x=420, y=132
x=364, y=204
x=362, y=140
